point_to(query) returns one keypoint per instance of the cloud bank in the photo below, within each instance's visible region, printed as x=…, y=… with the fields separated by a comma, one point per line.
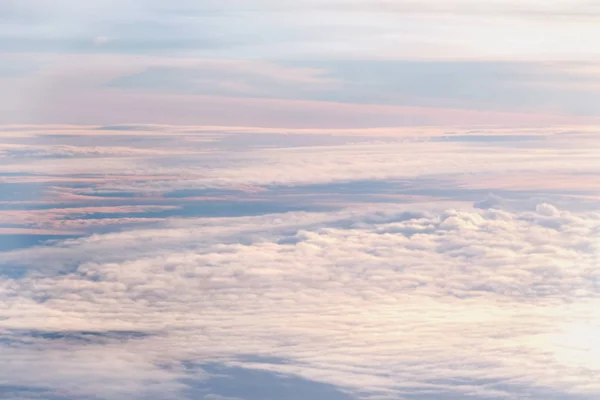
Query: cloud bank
x=381, y=302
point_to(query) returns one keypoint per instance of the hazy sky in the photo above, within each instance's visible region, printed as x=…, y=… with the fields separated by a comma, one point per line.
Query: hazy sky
x=306, y=63
x=292, y=200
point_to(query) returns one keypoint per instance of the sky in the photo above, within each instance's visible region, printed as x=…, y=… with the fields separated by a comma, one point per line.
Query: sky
x=268, y=200
x=304, y=64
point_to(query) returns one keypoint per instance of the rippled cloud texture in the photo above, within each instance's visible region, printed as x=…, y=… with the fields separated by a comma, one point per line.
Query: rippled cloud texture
x=163, y=262
x=292, y=200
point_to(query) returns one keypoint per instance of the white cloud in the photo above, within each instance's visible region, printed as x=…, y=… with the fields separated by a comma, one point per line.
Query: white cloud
x=377, y=300
x=155, y=161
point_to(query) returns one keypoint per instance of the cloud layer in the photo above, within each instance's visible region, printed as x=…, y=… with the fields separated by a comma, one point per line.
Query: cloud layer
x=331, y=63
x=168, y=262
x=360, y=200
x=379, y=302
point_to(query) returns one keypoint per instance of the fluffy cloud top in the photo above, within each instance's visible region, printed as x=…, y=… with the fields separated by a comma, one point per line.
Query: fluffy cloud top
x=383, y=302
x=348, y=264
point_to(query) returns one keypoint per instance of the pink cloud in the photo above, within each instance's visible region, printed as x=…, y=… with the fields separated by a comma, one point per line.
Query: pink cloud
x=61, y=93
x=113, y=106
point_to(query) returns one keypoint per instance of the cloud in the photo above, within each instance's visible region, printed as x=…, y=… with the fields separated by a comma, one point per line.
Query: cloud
x=233, y=78
x=379, y=301
x=53, y=151
x=202, y=158
x=85, y=179
x=101, y=40
x=307, y=94
x=48, y=216
x=377, y=295
x=526, y=87
x=302, y=30
x=308, y=249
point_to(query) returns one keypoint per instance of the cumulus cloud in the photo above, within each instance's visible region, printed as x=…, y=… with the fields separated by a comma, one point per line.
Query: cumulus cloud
x=399, y=287
x=371, y=263
x=381, y=301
